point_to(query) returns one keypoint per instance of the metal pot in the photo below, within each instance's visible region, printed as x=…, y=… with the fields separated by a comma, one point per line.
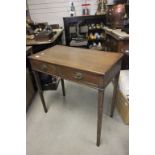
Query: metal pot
x=115, y=16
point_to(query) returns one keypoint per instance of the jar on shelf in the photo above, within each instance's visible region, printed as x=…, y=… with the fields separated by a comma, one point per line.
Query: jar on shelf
x=85, y=8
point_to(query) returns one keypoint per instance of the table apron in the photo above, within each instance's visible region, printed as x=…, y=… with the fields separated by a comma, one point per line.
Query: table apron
x=75, y=75
x=111, y=74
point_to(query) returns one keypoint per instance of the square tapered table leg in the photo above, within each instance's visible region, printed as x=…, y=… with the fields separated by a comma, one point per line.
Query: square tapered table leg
x=36, y=76
x=114, y=94
x=100, y=112
x=63, y=86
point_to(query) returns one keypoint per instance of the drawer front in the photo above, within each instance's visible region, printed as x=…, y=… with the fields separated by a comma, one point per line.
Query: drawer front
x=43, y=67
x=67, y=73
x=79, y=76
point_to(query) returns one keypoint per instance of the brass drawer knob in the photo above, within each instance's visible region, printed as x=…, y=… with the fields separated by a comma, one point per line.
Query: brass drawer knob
x=44, y=67
x=78, y=76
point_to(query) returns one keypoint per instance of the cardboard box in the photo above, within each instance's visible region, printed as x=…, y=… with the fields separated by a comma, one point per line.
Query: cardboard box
x=122, y=99
x=122, y=105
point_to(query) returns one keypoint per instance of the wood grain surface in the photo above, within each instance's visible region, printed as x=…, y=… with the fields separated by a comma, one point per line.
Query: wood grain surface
x=98, y=62
x=85, y=66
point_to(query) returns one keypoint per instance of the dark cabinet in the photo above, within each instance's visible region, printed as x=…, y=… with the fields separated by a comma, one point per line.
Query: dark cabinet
x=74, y=23
x=119, y=45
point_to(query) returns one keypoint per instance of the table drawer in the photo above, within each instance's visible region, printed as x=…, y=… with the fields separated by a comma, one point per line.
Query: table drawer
x=79, y=76
x=43, y=67
x=67, y=73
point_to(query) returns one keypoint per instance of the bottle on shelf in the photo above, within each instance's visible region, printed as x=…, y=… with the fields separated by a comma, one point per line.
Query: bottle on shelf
x=72, y=9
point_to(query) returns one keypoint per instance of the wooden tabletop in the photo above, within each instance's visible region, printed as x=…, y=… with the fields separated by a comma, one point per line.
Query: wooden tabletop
x=98, y=62
x=35, y=42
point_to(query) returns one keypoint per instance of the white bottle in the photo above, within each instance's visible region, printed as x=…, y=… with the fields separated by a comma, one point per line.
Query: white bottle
x=72, y=9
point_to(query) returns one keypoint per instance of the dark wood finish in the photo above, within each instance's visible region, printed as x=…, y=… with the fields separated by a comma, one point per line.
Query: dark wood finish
x=100, y=112
x=93, y=68
x=125, y=61
x=63, y=87
x=30, y=86
x=29, y=50
x=122, y=45
x=111, y=74
x=94, y=19
x=40, y=90
x=30, y=91
x=92, y=61
x=114, y=94
x=67, y=73
x=114, y=43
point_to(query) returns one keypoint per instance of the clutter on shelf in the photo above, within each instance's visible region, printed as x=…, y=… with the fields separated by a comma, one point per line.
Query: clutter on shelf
x=39, y=31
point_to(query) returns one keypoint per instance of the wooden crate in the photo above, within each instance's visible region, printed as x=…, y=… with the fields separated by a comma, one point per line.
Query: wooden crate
x=122, y=105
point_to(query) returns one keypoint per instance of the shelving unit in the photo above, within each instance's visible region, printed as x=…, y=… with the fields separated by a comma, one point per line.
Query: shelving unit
x=83, y=21
x=99, y=35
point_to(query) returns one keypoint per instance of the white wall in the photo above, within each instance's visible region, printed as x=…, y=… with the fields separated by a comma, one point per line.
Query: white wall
x=53, y=11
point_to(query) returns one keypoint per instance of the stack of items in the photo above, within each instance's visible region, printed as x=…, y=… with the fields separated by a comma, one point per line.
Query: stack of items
x=39, y=31
x=44, y=35
x=96, y=36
